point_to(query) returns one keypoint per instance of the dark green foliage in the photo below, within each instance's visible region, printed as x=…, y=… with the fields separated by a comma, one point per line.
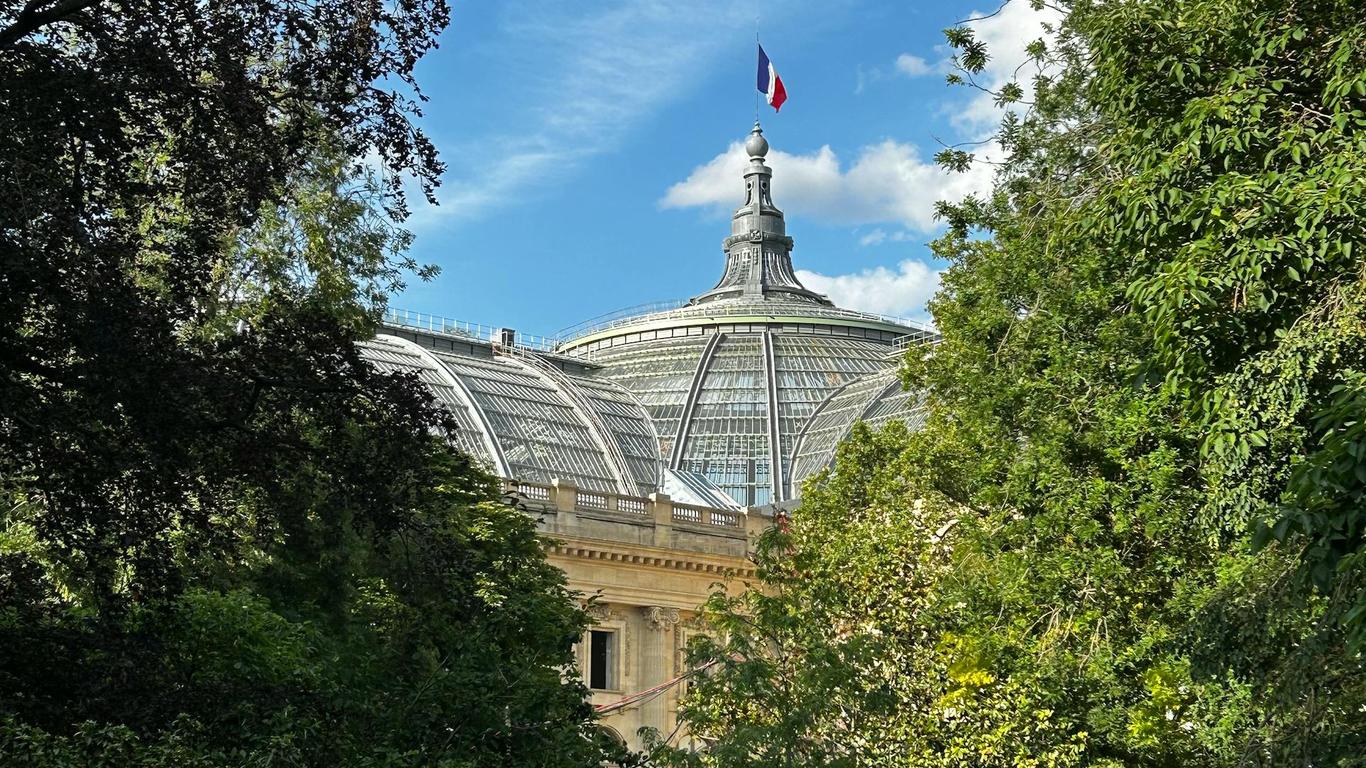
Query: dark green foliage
x=225, y=539
x=444, y=637
x=141, y=142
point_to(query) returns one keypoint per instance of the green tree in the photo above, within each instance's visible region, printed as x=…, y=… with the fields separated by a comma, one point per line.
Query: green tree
x=140, y=141
x=225, y=538
x=1150, y=362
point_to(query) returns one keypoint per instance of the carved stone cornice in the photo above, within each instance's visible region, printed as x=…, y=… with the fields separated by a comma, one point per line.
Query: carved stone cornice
x=677, y=560
x=600, y=613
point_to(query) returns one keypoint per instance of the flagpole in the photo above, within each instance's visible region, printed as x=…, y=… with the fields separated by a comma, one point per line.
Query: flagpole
x=756, y=51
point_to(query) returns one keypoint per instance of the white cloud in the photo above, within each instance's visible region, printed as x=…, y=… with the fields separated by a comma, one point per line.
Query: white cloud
x=911, y=65
x=875, y=237
x=864, y=77
x=879, y=236
x=901, y=292
x=907, y=64
x=1006, y=35
x=888, y=182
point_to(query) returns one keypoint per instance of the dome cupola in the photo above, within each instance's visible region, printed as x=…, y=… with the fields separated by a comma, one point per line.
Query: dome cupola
x=758, y=251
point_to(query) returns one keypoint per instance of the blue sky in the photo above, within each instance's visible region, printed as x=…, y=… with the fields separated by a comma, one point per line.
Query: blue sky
x=593, y=149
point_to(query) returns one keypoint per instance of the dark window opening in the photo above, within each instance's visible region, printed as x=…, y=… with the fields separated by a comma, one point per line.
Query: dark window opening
x=600, y=660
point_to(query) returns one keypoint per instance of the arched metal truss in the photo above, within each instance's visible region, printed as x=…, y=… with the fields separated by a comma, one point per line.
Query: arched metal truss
x=533, y=422
x=700, y=373
x=590, y=412
x=876, y=400
x=394, y=352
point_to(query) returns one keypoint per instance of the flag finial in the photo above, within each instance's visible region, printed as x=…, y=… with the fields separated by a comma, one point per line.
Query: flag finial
x=756, y=145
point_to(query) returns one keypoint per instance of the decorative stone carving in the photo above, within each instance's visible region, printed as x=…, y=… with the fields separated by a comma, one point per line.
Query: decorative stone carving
x=600, y=613
x=660, y=619
x=755, y=236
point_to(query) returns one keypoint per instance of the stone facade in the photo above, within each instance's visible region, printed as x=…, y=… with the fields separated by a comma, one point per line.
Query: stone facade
x=645, y=565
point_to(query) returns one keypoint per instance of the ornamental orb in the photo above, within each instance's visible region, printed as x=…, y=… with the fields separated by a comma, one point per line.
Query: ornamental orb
x=756, y=145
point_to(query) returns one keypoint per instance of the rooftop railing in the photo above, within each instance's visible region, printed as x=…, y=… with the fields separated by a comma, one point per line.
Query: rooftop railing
x=918, y=337
x=607, y=319
x=565, y=498
x=629, y=315
x=421, y=321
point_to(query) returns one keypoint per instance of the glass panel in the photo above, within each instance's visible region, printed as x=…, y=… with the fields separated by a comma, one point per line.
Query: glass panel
x=659, y=374
x=808, y=370
x=728, y=436
x=875, y=399
x=392, y=357
x=629, y=426
x=541, y=435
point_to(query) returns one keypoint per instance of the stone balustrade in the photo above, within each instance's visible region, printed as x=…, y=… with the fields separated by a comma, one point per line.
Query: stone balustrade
x=657, y=520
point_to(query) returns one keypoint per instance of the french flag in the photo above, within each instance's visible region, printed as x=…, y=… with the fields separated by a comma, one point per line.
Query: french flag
x=770, y=85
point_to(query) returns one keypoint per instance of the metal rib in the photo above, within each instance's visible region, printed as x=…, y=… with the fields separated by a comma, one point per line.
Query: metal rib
x=602, y=434
x=775, y=458
x=703, y=363
x=466, y=398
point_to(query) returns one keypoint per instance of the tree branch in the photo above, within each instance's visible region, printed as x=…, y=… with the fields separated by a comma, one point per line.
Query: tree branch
x=973, y=19
x=32, y=19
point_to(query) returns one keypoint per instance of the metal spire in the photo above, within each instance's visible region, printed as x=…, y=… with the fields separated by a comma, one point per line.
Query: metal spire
x=758, y=251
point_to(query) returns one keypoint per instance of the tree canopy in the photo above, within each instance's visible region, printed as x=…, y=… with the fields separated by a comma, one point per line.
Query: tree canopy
x=225, y=538
x=1130, y=532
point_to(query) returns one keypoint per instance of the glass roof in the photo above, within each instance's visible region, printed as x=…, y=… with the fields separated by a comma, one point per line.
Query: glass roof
x=534, y=423
x=750, y=385
x=727, y=394
x=660, y=375
x=876, y=400
x=809, y=369
x=396, y=355
x=621, y=418
x=727, y=437
x=754, y=407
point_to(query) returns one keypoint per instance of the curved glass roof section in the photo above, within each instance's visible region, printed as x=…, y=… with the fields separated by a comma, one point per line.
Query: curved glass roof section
x=720, y=399
x=535, y=424
x=628, y=435
x=876, y=400
x=809, y=369
x=726, y=436
x=660, y=375
x=472, y=434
